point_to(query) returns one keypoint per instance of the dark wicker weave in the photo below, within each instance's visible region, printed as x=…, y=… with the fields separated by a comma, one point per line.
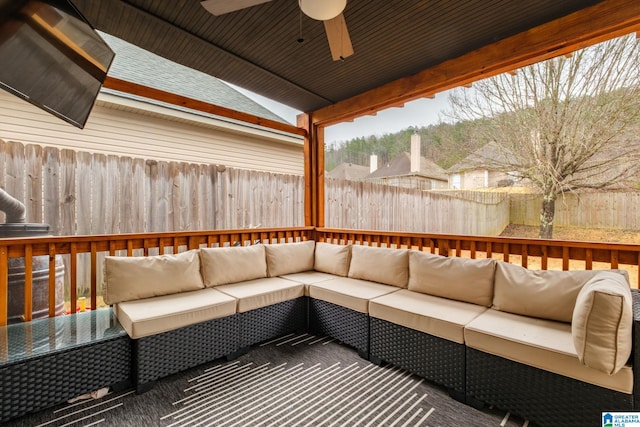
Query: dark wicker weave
x=272, y=321
x=542, y=397
x=60, y=375
x=433, y=358
x=346, y=325
x=545, y=398
x=163, y=354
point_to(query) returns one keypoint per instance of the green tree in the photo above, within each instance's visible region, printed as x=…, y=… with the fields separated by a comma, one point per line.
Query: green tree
x=562, y=124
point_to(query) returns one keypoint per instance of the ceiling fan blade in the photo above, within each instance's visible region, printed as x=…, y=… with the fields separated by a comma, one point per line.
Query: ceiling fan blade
x=338, y=37
x=220, y=7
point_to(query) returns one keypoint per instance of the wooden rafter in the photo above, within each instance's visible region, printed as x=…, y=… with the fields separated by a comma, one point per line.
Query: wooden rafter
x=194, y=104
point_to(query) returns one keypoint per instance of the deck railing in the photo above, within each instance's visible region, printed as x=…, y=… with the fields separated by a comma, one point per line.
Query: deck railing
x=120, y=244
x=546, y=254
x=530, y=253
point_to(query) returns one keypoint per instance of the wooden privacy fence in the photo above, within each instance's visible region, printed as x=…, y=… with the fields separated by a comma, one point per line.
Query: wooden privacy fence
x=611, y=209
x=367, y=205
x=80, y=193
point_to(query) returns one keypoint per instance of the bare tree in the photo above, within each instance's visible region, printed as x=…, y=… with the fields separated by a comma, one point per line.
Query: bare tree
x=564, y=124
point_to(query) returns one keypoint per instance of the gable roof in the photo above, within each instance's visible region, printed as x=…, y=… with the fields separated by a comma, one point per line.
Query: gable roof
x=136, y=65
x=401, y=166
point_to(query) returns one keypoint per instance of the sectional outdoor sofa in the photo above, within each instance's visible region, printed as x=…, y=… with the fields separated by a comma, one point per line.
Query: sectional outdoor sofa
x=554, y=347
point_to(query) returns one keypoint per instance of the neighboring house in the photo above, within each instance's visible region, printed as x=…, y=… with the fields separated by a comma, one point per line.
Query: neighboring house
x=348, y=171
x=479, y=170
x=126, y=125
x=410, y=170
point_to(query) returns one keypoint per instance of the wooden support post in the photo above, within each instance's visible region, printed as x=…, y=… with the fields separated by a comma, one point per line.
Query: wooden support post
x=313, y=171
x=319, y=136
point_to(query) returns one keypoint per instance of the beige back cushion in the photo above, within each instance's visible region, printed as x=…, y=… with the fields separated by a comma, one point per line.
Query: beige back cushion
x=132, y=278
x=538, y=293
x=602, y=322
x=332, y=259
x=382, y=265
x=221, y=266
x=288, y=258
x=461, y=279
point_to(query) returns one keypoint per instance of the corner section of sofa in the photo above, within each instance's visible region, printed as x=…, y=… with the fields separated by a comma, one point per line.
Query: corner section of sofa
x=540, y=381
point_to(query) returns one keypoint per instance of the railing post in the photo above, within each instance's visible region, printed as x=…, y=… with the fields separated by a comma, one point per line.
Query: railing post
x=28, y=283
x=443, y=247
x=4, y=285
x=52, y=281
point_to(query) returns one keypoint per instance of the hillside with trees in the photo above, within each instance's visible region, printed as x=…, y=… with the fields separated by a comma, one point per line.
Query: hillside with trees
x=444, y=143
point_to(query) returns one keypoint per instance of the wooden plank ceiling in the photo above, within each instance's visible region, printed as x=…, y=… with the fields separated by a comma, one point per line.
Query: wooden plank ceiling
x=257, y=48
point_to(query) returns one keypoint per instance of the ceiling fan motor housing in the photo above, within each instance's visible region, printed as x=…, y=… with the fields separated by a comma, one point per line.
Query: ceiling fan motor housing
x=322, y=10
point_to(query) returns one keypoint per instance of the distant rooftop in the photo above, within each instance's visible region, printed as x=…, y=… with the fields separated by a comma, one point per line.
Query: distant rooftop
x=137, y=65
x=401, y=165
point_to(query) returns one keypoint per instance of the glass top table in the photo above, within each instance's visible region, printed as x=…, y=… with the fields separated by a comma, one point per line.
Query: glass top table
x=23, y=341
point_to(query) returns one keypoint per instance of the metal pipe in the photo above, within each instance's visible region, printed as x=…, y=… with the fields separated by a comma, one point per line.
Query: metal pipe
x=12, y=207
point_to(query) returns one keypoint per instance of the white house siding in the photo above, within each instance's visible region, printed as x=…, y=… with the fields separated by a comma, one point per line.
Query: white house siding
x=472, y=179
x=132, y=128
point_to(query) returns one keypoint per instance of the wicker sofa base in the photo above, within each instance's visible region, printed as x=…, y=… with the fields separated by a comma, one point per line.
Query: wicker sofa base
x=436, y=359
x=346, y=325
x=272, y=321
x=159, y=355
x=55, y=377
x=542, y=397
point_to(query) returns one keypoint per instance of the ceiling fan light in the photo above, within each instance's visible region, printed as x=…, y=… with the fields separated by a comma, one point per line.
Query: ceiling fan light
x=322, y=10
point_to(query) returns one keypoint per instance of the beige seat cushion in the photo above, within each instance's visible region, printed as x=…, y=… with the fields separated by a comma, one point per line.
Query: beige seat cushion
x=309, y=277
x=259, y=293
x=602, y=322
x=287, y=258
x=544, y=344
x=132, y=278
x=155, y=315
x=332, y=259
x=234, y=264
x=382, y=265
x=538, y=293
x=461, y=279
x=350, y=293
x=436, y=316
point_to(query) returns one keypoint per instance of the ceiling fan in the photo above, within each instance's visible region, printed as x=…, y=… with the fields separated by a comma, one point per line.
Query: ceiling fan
x=328, y=11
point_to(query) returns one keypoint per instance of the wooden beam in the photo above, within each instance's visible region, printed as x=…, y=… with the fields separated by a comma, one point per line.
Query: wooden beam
x=313, y=171
x=304, y=122
x=194, y=104
x=591, y=25
x=319, y=177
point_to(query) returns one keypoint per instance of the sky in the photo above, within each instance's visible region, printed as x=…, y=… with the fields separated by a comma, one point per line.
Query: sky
x=421, y=112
